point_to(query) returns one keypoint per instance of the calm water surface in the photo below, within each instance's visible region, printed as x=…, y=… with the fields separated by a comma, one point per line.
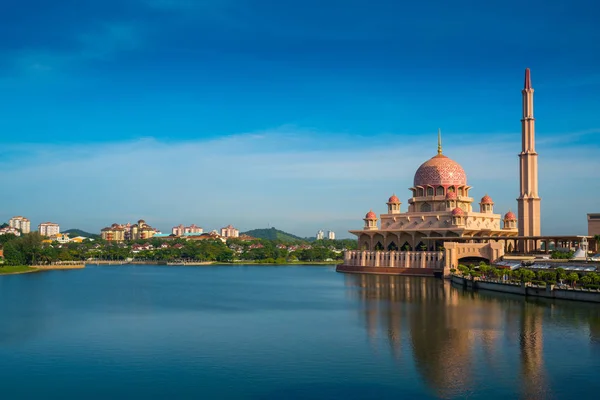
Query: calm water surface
x=253, y=332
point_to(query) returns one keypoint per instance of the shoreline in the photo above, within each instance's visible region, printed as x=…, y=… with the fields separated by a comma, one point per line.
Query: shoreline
x=27, y=269
x=209, y=263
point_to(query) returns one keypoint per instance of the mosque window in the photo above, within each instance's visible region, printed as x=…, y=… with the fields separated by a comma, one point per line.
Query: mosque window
x=420, y=192
x=430, y=191
x=460, y=192
x=440, y=191
x=425, y=207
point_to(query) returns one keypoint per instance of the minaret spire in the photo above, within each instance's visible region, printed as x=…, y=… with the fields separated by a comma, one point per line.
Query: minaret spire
x=529, y=200
x=527, y=79
x=439, y=141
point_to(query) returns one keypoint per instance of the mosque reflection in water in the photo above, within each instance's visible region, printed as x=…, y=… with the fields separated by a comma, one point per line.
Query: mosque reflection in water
x=456, y=337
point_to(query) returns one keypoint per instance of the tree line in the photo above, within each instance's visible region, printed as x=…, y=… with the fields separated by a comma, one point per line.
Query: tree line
x=32, y=249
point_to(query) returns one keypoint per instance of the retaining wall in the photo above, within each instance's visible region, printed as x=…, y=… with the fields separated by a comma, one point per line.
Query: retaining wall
x=549, y=292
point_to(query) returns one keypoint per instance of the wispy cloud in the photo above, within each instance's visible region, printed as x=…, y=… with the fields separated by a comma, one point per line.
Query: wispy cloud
x=292, y=181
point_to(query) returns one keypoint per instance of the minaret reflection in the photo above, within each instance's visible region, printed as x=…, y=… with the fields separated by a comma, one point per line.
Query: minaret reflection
x=454, y=336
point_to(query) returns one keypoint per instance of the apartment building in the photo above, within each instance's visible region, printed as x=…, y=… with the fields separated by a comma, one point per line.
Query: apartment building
x=48, y=228
x=230, y=232
x=20, y=223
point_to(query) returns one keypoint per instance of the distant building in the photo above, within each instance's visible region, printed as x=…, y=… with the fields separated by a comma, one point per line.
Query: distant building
x=20, y=223
x=331, y=235
x=320, y=235
x=59, y=237
x=593, y=224
x=229, y=232
x=119, y=233
x=10, y=230
x=181, y=230
x=113, y=233
x=48, y=228
x=594, y=228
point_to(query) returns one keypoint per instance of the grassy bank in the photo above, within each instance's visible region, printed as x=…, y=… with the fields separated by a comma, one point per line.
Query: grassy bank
x=16, y=269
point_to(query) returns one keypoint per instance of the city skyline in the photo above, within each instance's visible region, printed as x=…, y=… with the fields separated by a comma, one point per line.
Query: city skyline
x=217, y=116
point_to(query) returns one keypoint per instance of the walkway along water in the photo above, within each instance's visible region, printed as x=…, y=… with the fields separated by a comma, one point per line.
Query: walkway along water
x=525, y=289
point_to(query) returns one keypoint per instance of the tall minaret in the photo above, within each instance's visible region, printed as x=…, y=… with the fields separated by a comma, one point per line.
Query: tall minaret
x=529, y=201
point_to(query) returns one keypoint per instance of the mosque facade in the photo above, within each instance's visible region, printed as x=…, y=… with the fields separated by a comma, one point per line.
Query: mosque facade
x=433, y=234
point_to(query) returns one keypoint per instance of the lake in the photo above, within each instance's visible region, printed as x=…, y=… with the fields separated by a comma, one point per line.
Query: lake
x=285, y=332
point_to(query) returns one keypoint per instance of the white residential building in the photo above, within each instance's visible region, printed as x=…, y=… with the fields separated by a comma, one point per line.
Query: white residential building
x=181, y=230
x=48, y=229
x=10, y=230
x=230, y=232
x=320, y=235
x=20, y=223
x=331, y=235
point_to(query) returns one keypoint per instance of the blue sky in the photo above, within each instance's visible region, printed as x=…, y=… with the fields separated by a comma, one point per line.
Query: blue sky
x=301, y=115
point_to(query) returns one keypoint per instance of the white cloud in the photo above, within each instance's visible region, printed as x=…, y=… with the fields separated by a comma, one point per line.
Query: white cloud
x=291, y=179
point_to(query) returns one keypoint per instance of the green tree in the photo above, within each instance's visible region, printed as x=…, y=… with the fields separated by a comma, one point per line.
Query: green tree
x=573, y=277
x=586, y=279
x=12, y=254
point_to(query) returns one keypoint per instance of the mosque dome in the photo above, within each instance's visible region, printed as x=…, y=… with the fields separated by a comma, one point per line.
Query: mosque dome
x=440, y=171
x=371, y=215
x=486, y=200
x=458, y=211
x=451, y=195
x=510, y=216
x=394, y=199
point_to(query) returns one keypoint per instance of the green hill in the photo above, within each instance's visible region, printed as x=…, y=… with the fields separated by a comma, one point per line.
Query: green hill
x=78, y=232
x=272, y=234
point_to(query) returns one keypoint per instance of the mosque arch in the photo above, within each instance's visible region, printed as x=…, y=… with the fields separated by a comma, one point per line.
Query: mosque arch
x=440, y=191
x=421, y=246
x=425, y=207
x=406, y=247
x=420, y=192
x=392, y=246
x=472, y=260
x=378, y=246
x=429, y=191
x=461, y=191
x=364, y=243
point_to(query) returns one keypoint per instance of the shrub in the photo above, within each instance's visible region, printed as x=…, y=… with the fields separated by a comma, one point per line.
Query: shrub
x=592, y=286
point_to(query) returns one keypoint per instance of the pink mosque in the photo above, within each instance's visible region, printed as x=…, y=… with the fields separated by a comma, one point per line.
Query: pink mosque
x=442, y=226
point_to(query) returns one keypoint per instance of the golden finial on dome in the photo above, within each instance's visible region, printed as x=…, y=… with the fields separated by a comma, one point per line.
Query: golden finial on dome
x=439, y=141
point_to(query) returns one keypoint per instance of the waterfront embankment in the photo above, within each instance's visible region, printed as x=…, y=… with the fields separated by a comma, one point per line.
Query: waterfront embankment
x=26, y=269
x=529, y=290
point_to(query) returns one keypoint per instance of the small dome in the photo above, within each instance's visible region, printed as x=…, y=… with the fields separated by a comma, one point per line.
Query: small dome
x=486, y=200
x=371, y=215
x=451, y=195
x=394, y=199
x=510, y=216
x=458, y=211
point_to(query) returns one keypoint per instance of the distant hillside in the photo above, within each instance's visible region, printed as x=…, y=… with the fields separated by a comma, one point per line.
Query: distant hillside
x=272, y=234
x=78, y=232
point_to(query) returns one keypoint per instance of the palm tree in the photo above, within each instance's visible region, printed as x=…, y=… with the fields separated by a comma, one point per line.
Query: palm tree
x=597, y=244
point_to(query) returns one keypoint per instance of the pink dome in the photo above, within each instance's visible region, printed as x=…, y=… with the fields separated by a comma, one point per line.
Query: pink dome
x=440, y=171
x=486, y=200
x=371, y=215
x=394, y=199
x=510, y=216
x=458, y=211
x=451, y=195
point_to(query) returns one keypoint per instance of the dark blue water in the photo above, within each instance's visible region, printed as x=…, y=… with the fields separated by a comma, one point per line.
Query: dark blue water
x=285, y=333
